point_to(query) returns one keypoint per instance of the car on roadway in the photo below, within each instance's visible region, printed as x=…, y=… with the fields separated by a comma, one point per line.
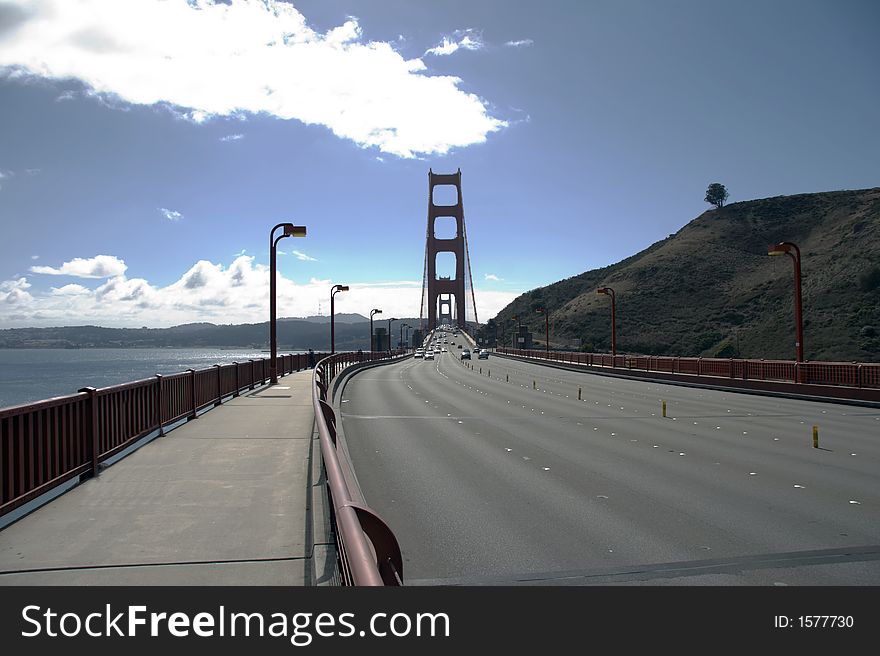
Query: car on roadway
x=420, y=353
x=459, y=346
x=429, y=355
x=465, y=354
x=484, y=355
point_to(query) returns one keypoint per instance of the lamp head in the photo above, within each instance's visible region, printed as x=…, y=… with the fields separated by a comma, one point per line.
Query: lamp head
x=291, y=230
x=778, y=249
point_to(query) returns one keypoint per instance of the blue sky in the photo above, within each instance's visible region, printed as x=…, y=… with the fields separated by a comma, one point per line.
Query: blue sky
x=148, y=146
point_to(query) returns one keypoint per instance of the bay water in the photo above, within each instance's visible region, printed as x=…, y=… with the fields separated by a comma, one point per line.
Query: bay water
x=28, y=375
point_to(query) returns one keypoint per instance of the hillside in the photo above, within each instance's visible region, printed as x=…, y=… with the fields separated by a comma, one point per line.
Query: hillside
x=711, y=289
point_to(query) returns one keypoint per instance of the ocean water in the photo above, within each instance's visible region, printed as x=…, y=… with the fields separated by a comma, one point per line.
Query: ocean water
x=28, y=375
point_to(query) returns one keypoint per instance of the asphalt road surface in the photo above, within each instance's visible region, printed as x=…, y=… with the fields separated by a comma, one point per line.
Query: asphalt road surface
x=503, y=476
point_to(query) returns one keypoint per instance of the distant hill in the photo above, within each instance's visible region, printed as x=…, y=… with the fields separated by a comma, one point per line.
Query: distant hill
x=293, y=334
x=710, y=289
x=340, y=318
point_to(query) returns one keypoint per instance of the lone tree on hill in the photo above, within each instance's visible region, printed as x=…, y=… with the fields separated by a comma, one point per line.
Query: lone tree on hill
x=716, y=194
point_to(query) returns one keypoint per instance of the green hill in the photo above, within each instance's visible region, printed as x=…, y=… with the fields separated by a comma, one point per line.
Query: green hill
x=711, y=289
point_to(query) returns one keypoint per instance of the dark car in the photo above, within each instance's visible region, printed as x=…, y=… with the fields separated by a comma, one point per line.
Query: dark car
x=466, y=354
x=483, y=355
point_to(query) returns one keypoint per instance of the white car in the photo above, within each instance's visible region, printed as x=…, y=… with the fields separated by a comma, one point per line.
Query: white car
x=420, y=353
x=429, y=355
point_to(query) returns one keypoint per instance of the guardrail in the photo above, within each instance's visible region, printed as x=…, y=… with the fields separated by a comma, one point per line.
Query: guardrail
x=859, y=375
x=48, y=443
x=369, y=554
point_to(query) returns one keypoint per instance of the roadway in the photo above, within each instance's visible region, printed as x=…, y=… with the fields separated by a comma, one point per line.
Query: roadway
x=498, y=474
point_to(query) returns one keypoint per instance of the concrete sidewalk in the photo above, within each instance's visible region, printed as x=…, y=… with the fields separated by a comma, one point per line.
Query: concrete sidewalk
x=225, y=499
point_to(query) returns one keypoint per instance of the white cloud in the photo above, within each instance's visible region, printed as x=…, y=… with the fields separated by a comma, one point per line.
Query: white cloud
x=171, y=215
x=100, y=266
x=69, y=290
x=5, y=175
x=232, y=137
x=493, y=277
x=14, y=292
x=205, y=59
x=237, y=293
x=520, y=43
x=35, y=257
x=460, y=40
x=303, y=257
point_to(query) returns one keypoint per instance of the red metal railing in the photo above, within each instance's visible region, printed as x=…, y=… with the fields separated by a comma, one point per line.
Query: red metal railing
x=863, y=375
x=369, y=554
x=47, y=443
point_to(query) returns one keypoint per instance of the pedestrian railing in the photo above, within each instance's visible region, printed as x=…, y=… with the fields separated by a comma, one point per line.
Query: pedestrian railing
x=368, y=552
x=860, y=375
x=51, y=442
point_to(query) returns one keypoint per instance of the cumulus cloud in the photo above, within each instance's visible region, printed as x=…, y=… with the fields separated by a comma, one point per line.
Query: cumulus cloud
x=14, y=292
x=492, y=277
x=520, y=43
x=460, y=40
x=303, y=257
x=205, y=58
x=69, y=290
x=208, y=291
x=100, y=266
x=171, y=215
x=232, y=137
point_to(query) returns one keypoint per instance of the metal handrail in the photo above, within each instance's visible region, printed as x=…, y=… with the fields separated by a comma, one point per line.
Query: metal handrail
x=49, y=442
x=859, y=375
x=369, y=554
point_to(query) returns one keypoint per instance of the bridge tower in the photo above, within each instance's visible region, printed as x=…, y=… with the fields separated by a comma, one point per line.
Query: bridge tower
x=449, y=293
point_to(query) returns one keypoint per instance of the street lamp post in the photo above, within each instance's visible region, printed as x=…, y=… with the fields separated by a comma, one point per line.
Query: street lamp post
x=546, y=328
x=402, y=326
x=333, y=291
x=610, y=292
x=372, y=312
x=389, y=333
x=290, y=230
x=788, y=248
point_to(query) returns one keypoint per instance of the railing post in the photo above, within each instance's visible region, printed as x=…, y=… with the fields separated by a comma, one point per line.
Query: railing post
x=237, y=384
x=92, y=443
x=160, y=403
x=699, y=366
x=219, y=387
x=252, y=372
x=858, y=375
x=192, y=380
x=745, y=366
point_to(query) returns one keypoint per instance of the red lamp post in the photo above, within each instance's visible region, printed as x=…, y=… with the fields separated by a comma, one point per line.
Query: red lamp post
x=333, y=291
x=372, y=339
x=546, y=329
x=290, y=230
x=389, y=333
x=790, y=249
x=610, y=292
